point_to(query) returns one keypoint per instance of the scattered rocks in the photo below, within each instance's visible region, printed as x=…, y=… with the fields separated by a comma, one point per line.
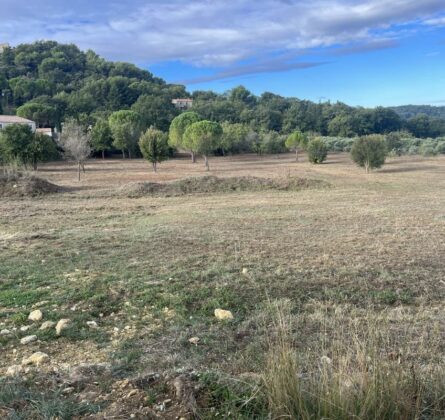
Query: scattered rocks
x=28, y=339
x=223, y=314
x=62, y=325
x=47, y=325
x=194, y=340
x=14, y=370
x=5, y=332
x=92, y=324
x=35, y=315
x=37, y=358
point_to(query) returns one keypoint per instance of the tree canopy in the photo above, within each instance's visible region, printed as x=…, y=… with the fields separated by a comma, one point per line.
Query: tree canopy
x=203, y=137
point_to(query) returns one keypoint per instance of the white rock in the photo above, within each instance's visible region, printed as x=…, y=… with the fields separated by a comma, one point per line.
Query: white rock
x=28, y=339
x=36, y=359
x=14, y=370
x=47, y=325
x=326, y=360
x=35, y=315
x=92, y=324
x=223, y=314
x=62, y=325
x=194, y=340
x=5, y=332
x=245, y=271
x=25, y=328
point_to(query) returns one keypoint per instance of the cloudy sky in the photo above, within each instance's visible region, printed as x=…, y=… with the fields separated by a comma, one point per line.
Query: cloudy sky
x=363, y=52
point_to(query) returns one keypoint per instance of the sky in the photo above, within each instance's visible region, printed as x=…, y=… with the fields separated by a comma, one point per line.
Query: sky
x=361, y=52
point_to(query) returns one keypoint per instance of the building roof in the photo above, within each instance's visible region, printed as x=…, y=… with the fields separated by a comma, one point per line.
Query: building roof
x=13, y=119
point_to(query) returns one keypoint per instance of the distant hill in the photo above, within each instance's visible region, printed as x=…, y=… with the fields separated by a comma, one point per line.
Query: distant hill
x=408, y=111
x=49, y=82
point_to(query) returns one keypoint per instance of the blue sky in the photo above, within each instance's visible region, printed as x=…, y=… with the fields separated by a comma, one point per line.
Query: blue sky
x=362, y=52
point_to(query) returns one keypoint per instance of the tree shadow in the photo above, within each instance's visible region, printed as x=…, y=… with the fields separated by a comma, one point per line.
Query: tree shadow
x=408, y=169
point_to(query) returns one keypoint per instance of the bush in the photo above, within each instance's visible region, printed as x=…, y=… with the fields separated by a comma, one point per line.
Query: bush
x=317, y=150
x=272, y=143
x=369, y=152
x=338, y=144
x=440, y=148
x=428, y=148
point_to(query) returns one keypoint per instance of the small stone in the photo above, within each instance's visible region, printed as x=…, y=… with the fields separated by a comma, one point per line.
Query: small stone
x=68, y=390
x=28, y=339
x=14, y=370
x=36, y=359
x=25, y=328
x=92, y=324
x=35, y=315
x=245, y=271
x=62, y=325
x=194, y=340
x=223, y=314
x=5, y=332
x=326, y=360
x=131, y=393
x=47, y=325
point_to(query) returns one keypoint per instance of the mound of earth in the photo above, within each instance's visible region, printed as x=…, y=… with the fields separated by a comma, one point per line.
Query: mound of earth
x=213, y=184
x=23, y=185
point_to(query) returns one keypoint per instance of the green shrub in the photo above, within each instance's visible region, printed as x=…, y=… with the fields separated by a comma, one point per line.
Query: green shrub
x=369, y=152
x=428, y=148
x=440, y=148
x=317, y=150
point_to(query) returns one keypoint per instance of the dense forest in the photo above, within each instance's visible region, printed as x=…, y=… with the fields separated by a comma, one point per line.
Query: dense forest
x=50, y=82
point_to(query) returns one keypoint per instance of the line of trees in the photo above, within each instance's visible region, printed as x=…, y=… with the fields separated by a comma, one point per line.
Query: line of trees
x=50, y=82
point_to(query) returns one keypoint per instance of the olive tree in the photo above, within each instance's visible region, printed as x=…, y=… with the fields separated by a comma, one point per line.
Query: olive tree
x=317, y=150
x=203, y=137
x=177, y=130
x=154, y=147
x=369, y=152
x=76, y=143
x=297, y=140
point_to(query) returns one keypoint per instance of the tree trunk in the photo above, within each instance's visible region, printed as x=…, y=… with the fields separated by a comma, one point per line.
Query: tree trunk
x=367, y=167
x=103, y=154
x=123, y=154
x=192, y=154
x=296, y=155
x=206, y=160
x=83, y=167
x=129, y=154
x=154, y=167
x=34, y=164
x=78, y=171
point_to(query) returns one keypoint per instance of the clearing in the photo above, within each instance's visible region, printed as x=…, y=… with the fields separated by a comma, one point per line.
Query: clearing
x=347, y=253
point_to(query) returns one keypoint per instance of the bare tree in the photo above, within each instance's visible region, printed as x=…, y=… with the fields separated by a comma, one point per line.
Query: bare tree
x=76, y=143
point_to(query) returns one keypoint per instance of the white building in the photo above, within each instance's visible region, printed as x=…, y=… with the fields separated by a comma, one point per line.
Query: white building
x=6, y=120
x=182, y=103
x=3, y=46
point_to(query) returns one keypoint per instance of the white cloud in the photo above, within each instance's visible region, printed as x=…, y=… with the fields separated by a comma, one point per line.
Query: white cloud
x=214, y=33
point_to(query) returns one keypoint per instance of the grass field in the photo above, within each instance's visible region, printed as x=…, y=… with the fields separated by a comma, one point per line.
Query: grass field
x=357, y=267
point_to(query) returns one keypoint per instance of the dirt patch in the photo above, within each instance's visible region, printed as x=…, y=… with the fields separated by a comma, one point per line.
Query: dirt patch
x=23, y=185
x=213, y=184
